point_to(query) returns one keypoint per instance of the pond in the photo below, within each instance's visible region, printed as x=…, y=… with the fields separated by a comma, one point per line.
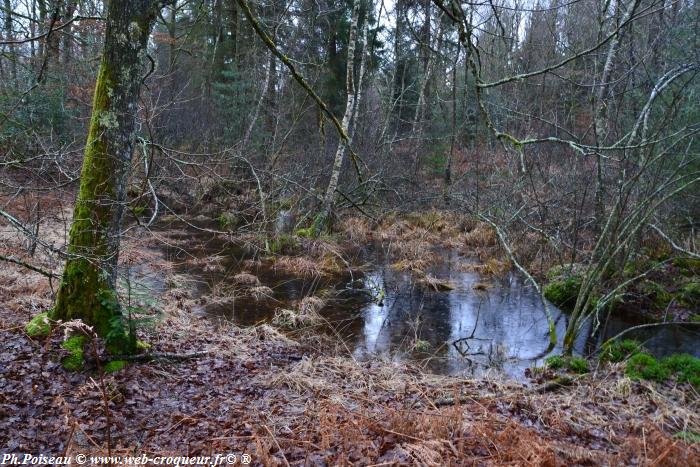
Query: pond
x=481, y=325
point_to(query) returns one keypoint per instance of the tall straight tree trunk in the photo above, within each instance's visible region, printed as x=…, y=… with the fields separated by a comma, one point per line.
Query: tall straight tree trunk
x=41, y=4
x=322, y=220
x=53, y=40
x=600, y=120
x=9, y=36
x=88, y=287
x=68, y=31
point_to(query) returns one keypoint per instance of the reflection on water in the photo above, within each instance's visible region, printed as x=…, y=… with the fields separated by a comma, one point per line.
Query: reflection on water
x=500, y=327
x=503, y=327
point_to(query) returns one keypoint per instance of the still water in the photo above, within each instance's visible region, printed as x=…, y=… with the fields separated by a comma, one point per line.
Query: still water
x=481, y=325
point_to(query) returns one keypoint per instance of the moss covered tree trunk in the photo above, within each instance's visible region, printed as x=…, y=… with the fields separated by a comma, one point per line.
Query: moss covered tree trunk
x=88, y=287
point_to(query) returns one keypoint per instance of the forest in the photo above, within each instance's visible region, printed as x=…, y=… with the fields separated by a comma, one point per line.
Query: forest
x=350, y=232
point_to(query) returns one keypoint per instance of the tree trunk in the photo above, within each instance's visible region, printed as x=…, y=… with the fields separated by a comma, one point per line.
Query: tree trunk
x=600, y=120
x=9, y=36
x=53, y=40
x=68, y=31
x=323, y=218
x=88, y=287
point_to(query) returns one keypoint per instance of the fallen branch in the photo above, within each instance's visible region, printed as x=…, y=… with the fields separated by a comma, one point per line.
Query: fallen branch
x=653, y=325
x=148, y=357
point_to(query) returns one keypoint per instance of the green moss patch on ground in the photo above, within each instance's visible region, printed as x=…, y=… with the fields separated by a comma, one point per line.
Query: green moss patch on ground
x=38, y=326
x=74, y=345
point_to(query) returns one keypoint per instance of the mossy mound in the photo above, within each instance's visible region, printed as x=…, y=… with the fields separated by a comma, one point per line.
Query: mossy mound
x=657, y=293
x=38, y=326
x=563, y=292
x=422, y=346
x=285, y=244
x=307, y=232
x=690, y=294
x=644, y=366
x=114, y=366
x=617, y=351
x=573, y=364
x=228, y=221
x=688, y=266
x=74, y=345
x=686, y=368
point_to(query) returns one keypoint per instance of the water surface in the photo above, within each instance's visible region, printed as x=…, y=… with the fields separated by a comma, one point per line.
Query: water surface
x=481, y=325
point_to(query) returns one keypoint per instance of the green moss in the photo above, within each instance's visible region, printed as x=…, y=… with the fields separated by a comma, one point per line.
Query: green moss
x=659, y=253
x=74, y=346
x=305, y=233
x=657, y=293
x=577, y=365
x=688, y=266
x=695, y=318
x=141, y=345
x=644, y=366
x=38, y=326
x=228, y=221
x=617, y=351
x=285, y=244
x=422, y=346
x=555, y=362
x=685, y=366
x=114, y=366
x=689, y=437
x=573, y=364
x=563, y=292
x=690, y=294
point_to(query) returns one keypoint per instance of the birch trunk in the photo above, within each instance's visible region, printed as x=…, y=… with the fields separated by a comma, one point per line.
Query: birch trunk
x=599, y=119
x=322, y=220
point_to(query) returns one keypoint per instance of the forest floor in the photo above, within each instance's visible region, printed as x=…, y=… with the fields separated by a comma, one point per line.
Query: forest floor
x=297, y=401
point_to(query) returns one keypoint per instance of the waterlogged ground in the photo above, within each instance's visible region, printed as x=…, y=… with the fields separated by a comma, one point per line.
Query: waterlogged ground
x=294, y=402
x=480, y=325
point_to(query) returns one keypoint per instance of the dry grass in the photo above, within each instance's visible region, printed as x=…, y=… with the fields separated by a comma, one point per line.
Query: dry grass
x=480, y=236
x=246, y=279
x=435, y=283
x=321, y=258
x=496, y=267
x=261, y=292
x=603, y=419
x=297, y=265
x=346, y=377
x=356, y=229
x=413, y=265
x=305, y=314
